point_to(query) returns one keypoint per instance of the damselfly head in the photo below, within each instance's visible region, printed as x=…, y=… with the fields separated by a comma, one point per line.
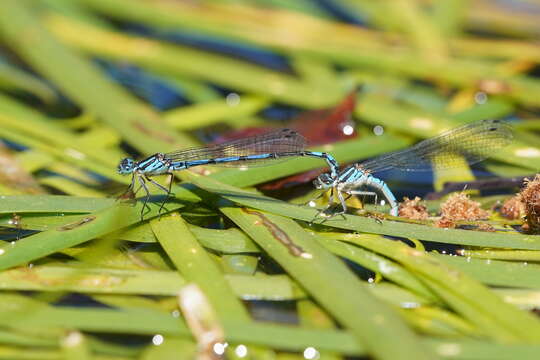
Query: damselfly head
x=324, y=181
x=126, y=166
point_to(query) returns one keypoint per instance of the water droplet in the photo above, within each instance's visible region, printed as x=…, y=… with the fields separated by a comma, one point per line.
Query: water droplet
x=74, y=338
x=2, y=251
x=219, y=348
x=378, y=130
x=176, y=313
x=488, y=261
x=370, y=280
x=232, y=99
x=348, y=130
x=157, y=339
x=311, y=353
x=241, y=351
x=480, y=97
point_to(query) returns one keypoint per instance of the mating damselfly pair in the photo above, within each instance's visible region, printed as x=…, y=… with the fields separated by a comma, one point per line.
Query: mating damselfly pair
x=471, y=143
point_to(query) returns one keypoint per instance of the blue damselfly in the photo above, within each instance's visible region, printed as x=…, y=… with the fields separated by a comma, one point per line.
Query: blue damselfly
x=284, y=143
x=473, y=143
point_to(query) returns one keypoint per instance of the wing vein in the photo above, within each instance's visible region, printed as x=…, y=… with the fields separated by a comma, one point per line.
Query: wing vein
x=473, y=142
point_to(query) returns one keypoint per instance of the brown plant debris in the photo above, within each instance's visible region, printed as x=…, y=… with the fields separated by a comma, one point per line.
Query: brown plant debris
x=203, y=323
x=530, y=197
x=413, y=209
x=445, y=223
x=13, y=175
x=460, y=207
x=513, y=208
x=485, y=227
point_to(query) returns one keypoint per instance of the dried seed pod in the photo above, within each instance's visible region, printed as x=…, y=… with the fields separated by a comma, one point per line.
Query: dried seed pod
x=413, y=209
x=530, y=196
x=460, y=207
x=513, y=208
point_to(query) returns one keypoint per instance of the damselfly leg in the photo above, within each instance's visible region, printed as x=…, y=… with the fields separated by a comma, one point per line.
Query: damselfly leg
x=142, y=180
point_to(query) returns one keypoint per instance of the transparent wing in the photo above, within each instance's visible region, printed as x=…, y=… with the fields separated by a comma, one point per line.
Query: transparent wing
x=279, y=141
x=473, y=142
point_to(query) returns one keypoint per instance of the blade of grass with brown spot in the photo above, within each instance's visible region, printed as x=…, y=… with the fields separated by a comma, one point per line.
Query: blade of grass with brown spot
x=323, y=275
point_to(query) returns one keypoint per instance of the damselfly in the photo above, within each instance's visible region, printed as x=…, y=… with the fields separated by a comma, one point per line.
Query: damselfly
x=284, y=143
x=472, y=142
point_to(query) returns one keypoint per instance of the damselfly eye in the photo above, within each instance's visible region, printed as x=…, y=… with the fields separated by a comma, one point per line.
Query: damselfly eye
x=126, y=166
x=323, y=181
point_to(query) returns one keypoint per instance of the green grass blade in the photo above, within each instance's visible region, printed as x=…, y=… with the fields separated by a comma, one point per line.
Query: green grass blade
x=12, y=78
x=87, y=227
x=52, y=204
x=275, y=240
x=496, y=272
x=468, y=297
x=84, y=82
x=193, y=262
x=370, y=225
x=180, y=60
